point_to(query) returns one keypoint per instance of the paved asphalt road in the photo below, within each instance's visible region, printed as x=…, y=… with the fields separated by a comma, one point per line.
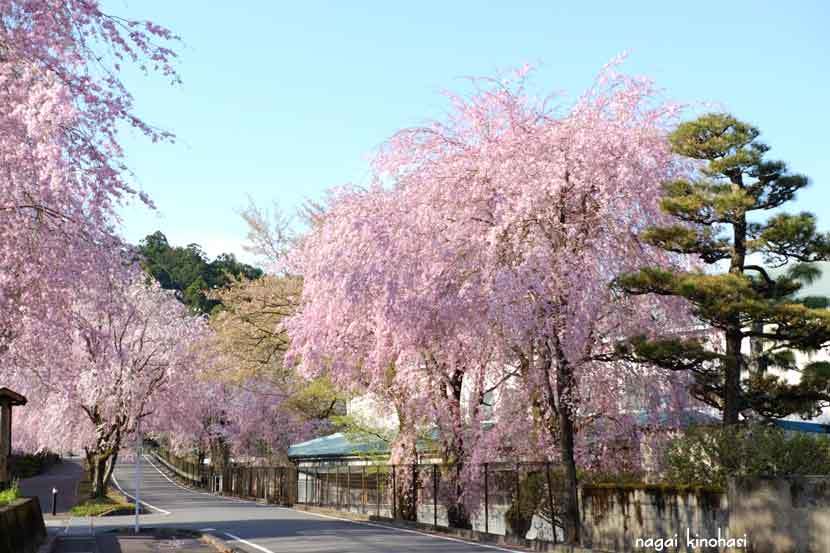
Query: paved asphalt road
x=260, y=528
x=64, y=476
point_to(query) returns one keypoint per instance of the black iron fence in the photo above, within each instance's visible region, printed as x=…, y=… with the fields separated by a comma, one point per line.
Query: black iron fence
x=517, y=499
x=270, y=484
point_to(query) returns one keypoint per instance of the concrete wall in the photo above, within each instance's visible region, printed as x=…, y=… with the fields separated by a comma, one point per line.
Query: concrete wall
x=5, y=442
x=789, y=515
x=782, y=515
x=615, y=517
x=21, y=526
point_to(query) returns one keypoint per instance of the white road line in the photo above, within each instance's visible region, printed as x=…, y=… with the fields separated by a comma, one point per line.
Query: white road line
x=185, y=488
x=53, y=522
x=167, y=477
x=117, y=485
x=165, y=463
x=191, y=490
x=395, y=528
x=246, y=542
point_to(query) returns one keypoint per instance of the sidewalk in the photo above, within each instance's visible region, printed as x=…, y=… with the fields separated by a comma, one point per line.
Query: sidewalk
x=64, y=476
x=111, y=543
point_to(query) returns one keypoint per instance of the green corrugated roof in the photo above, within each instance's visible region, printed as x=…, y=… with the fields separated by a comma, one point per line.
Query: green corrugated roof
x=337, y=445
x=340, y=445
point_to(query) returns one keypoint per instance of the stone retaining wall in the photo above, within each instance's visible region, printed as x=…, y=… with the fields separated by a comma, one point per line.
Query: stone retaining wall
x=782, y=515
x=615, y=518
x=21, y=526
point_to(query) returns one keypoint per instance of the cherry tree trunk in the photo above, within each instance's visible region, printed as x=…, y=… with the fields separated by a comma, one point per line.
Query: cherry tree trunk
x=565, y=386
x=219, y=453
x=110, y=466
x=454, y=456
x=100, y=469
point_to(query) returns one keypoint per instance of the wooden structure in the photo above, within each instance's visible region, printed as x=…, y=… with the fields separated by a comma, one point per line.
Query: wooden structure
x=8, y=399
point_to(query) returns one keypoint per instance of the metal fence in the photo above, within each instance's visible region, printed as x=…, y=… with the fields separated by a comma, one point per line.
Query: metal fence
x=270, y=484
x=519, y=499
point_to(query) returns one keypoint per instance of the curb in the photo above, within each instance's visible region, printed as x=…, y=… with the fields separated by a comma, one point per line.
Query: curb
x=49, y=545
x=210, y=540
x=469, y=536
x=219, y=544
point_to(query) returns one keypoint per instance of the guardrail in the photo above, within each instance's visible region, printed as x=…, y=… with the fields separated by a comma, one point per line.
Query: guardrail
x=191, y=476
x=270, y=484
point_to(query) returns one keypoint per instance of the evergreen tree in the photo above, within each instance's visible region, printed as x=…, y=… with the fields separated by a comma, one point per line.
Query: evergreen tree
x=718, y=221
x=189, y=272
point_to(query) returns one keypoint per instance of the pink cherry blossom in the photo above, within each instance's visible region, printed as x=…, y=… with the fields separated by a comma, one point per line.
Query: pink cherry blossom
x=482, y=255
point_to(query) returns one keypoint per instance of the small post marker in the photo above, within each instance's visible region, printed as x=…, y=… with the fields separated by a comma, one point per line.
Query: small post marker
x=54, y=501
x=137, y=474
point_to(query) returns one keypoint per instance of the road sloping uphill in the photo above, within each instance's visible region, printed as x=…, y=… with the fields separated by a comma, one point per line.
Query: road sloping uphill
x=256, y=528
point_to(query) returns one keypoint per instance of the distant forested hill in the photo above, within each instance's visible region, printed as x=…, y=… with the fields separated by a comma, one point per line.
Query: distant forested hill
x=188, y=271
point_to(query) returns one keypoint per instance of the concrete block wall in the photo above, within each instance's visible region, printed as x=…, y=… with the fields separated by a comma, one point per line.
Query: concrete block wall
x=785, y=515
x=782, y=515
x=615, y=517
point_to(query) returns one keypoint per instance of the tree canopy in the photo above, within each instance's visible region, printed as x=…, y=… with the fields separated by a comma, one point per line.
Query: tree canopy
x=718, y=218
x=188, y=271
x=481, y=258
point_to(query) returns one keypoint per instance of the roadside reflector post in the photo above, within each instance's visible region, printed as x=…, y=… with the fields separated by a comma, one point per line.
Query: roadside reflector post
x=137, y=474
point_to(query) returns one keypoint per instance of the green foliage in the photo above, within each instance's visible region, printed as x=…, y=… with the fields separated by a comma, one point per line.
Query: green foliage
x=10, y=494
x=97, y=506
x=815, y=302
x=716, y=221
x=318, y=398
x=706, y=456
x=26, y=465
x=188, y=271
x=364, y=432
x=532, y=490
x=540, y=492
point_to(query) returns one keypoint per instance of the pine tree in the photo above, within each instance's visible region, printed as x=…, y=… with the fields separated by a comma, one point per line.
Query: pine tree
x=720, y=220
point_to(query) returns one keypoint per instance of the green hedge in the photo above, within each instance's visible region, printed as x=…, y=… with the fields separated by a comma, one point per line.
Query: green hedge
x=706, y=456
x=26, y=465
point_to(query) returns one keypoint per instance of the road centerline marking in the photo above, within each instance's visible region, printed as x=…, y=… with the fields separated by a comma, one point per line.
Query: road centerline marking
x=142, y=502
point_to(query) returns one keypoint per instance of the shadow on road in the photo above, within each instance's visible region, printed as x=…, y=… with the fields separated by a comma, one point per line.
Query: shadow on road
x=64, y=476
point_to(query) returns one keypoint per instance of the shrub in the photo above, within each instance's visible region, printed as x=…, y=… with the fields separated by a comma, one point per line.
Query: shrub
x=535, y=499
x=519, y=516
x=26, y=465
x=9, y=495
x=705, y=456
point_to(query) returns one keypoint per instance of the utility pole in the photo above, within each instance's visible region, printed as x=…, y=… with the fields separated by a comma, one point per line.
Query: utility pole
x=137, y=473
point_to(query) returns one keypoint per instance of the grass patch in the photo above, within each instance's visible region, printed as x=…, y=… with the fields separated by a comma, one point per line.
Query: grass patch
x=9, y=495
x=93, y=507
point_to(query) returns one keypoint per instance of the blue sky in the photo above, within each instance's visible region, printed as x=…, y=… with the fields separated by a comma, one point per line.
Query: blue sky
x=282, y=100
